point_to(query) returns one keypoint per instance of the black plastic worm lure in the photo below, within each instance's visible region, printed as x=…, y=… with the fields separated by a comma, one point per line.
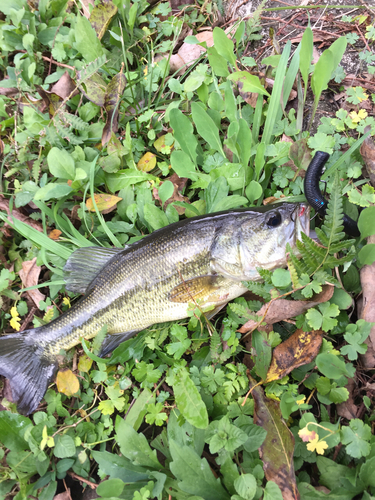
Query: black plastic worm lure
x=314, y=195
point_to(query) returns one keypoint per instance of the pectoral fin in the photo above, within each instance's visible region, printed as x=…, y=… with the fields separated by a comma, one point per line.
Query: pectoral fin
x=113, y=340
x=202, y=288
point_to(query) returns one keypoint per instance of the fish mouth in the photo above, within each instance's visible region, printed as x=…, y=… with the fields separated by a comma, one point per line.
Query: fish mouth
x=302, y=220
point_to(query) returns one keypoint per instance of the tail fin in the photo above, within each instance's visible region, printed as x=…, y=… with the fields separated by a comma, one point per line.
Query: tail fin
x=28, y=368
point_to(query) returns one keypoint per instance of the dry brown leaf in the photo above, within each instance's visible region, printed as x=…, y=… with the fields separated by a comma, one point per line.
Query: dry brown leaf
x=185, y=56
x=101, y=17
x=367, y=150
x=299, y=349
x=29, y=275
x=65, y=86
x=188, y=53
x=67, y=382
x=282, y=309
x=348, y=409
x=4, y=205
x=367, y=274
x=179, y=184
x=103, y=202
x=65, y=495
x=54, y=234
x=277, y=450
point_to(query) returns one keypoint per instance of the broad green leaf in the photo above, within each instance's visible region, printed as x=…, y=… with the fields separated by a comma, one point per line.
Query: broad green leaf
x=217, y=63
x=61, y=164
x=224, y=46
x=183, y=131
x=134, y=446
x=116, y=466
x=188, y=399
x=138, y=410
x=244, y=141
x=230, y=103
x=356, y=436
x=230, y=202
x=263, y=354
x=110, y=488
x=165, y=191
x=64, y=446
x=182, y=165
x=246, y=486
x=366, y=222
x=87, y=42
x=337, y=49
x=322, y=73
x=216, y=192
x=272, y=492
x=125, y=178
x=367, y=472
x=194, y=474
x=254, y=191
x=22, y=462
x=366, y=254
x=247, y=82
x=331, y=366
x=52, y=190
x=12, y=427
x=206, y=127
x=154, y=216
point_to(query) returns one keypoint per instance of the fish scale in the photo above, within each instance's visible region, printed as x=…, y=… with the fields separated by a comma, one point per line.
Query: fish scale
x=202, y=260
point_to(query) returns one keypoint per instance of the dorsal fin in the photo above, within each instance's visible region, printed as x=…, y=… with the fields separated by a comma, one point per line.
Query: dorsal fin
x=84, y=264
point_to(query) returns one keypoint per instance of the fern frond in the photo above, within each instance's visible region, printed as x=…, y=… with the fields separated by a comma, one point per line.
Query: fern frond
x=36, y=170
x=215, y=345
x=66, y=133
x=258, y=289
x=74, y=121
x=298, y=264
x=293, y=273
x=333, y=221
x=91, y=68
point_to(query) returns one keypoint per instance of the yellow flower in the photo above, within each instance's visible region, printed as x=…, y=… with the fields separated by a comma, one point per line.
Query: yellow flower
x=15, y=321
x=357, y=117
x=66, y=301
x=307, y=435
x=317, y=445
x=301, y=400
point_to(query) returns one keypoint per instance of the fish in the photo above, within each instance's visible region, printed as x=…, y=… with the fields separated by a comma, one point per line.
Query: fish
x=201, y=260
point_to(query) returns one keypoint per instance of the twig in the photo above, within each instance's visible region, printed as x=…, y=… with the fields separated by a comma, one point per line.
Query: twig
x=52, y=61
x=92, y=485
x=28, y=318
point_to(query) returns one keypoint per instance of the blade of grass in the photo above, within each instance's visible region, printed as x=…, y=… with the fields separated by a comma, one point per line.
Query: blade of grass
x=274, y=108
x=41, y=240
x=290, y=76
x=108, y=232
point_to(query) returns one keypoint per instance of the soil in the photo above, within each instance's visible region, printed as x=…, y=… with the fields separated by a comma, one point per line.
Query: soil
x=327, y=25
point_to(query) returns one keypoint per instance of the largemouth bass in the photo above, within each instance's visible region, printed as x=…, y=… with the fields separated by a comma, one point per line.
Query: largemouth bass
x=202, y=259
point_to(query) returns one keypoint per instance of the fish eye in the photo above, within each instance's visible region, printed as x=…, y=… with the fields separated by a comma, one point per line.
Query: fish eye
x=274, y=220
